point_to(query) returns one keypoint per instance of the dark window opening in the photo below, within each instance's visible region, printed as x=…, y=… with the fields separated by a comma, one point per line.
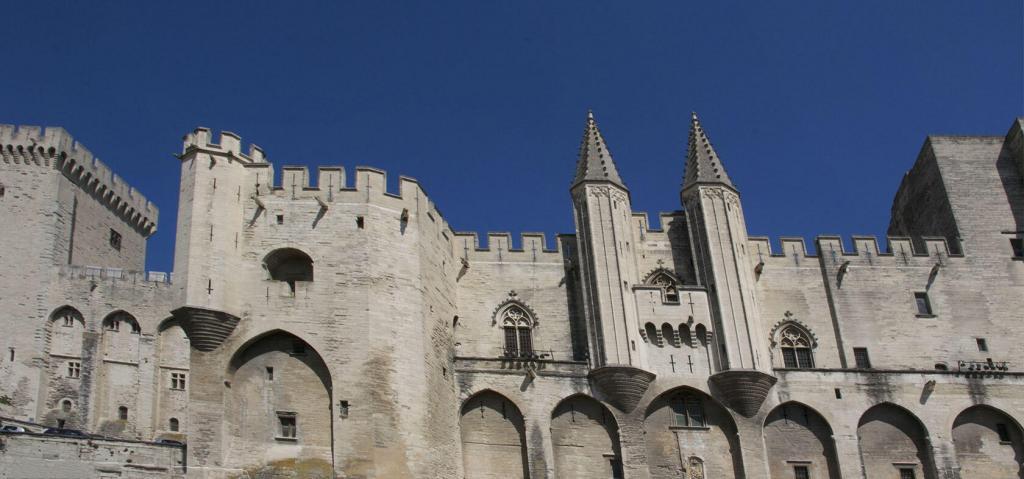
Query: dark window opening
x=74, y=369
x=115, y=240
x=12, y=354
x=270, y=373
x=113, y=325
x=924, y=306
x=906, y=473
x=280, y=219
x=287, y=425
x=688, y=410
x=2, y=191
x=941, y=367
x=1017, y=244
x=65, y=405
x=178, y=381
x=1004, y=432
x=801, y=472
x=173, y=425
x=343, y=408
x=860, y=357
x=359, y=222
x=511, y=346
x=69, y=321
x=839, y=393
x=122, y=413
x=982, y=344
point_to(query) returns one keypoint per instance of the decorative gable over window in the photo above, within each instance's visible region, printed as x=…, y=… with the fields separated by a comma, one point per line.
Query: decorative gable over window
x=517, y=322
x=668, y=282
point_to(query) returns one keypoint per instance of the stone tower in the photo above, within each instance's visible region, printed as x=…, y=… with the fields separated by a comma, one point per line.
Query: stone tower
x=719, y=235
x=608, y=270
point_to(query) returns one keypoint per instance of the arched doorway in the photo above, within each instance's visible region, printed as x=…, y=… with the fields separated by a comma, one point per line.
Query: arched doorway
x=798, y=440
x=585, y=439
x=891, y=439
x=988, y=443
x=278, y=408
x=493, y=438
x=690, y=435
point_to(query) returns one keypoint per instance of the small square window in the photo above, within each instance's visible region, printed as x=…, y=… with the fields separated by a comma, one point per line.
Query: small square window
x=982, y=344
x=860, y=357
x=801, y=472
x=287, y=428
x=178, y=381
x=74, y=369
x=113, y=325
x=924, y=307
x=280, y=219
x=1017, y=245
x=1004, y=432
x=122, y=413
x=907, y=473
x=115, y=240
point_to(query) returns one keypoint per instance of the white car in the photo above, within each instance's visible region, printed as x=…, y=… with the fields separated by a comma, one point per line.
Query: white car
x=11, y=428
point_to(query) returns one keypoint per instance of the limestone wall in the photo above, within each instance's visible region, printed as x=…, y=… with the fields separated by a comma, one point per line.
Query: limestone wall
x=37, y=456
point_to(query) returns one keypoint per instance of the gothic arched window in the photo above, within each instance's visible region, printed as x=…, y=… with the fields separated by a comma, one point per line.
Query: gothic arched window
x=667, y=283
x=796, y=348
x=518, y=328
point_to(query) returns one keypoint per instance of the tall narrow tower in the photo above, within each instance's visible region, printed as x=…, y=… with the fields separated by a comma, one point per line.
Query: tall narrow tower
x=719, y=235
x=608, y=271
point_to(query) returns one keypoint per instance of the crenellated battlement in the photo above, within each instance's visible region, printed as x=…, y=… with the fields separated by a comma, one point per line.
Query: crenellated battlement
x=863, y=246
x=532, y=247
x=665, y=218
x=230, y=144
x=54, y=147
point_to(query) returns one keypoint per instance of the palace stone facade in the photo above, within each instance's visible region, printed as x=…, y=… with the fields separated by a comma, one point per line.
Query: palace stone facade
x=344, y=330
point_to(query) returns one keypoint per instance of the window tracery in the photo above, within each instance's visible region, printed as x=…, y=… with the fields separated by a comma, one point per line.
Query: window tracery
x=518, y=328
x=796, y=347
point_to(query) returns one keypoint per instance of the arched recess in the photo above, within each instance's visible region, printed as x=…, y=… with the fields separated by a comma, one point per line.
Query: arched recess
x=988, y=443
x=585, y=439
x=172, y=383
x=688, y=430
x=797, y=436
x=289, y=265
x=278, y=405
x=66, y=387
x=493, y=438
x=891, y=438
x=118, y=384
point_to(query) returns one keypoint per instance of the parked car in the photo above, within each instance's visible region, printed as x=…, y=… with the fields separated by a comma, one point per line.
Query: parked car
x=12, y=428
x=170, y=442
x=65, y=432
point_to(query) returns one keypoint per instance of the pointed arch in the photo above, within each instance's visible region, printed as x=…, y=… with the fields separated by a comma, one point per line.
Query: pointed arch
x=65, y=330
x=795, y=343
x=115, y=320
x=493, y=431
x=280, y=392
x=684, y=422
x=988, y=443
x=585, y=438
x=890, y=434
x=796, y=432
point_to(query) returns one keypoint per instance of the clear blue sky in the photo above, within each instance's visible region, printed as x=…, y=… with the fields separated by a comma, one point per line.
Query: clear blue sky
x=816, y=108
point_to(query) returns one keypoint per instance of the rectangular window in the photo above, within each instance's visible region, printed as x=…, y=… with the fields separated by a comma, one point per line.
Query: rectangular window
x=906, y=473
x=924, y=307
x=270, y=373
x=178, y=381
x=803, y=358
x=801, y=472
x=280, y=219
x=69, y=322
x=74, y=369
x=511, y=344
x=789, y=357
x=1017, y=244
x=860, y=356
x=982, y=344
x=115, y=240
x=1004, y=432
x=695, y=411
x=114, y=325
x=525, y=341
x=287, y=428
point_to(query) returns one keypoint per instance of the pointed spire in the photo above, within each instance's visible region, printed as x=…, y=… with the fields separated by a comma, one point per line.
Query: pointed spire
x=702, y=163
x=595, y=161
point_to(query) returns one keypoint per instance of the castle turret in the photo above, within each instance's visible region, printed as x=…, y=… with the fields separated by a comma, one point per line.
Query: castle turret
x=608, y=270
x=719, y=235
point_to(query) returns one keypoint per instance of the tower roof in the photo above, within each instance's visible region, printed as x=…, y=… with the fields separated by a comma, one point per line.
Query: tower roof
x=702, y=163
x=595, y=160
